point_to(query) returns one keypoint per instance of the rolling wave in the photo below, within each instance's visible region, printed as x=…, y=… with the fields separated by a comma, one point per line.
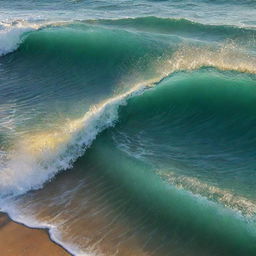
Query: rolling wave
x=14, y=33
x=181, y=26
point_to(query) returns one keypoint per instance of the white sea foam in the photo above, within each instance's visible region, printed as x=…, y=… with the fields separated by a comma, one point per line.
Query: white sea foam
x=40, y=156
x=17, y=214
x=12, y=35
x=236, y=202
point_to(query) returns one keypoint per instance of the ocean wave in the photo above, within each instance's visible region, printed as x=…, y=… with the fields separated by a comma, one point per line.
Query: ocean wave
x=41, y=156
x=14, y=33
x=180, y=26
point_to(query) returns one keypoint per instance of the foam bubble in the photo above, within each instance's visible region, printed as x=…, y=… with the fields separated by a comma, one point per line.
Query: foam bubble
x=238, y=203
x=228, y=56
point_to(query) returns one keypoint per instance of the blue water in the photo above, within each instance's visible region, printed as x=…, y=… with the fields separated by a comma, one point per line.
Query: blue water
x=127, y=127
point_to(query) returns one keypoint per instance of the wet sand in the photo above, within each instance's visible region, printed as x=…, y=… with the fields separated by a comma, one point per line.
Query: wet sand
x=19, y=240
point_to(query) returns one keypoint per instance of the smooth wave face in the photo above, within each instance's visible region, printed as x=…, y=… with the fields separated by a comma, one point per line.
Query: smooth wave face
x=152, y=115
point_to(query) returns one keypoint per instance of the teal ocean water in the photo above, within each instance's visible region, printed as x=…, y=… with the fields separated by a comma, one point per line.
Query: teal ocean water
x=128, y=127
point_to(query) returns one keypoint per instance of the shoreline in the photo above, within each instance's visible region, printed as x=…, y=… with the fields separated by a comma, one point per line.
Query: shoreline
x=16, y=239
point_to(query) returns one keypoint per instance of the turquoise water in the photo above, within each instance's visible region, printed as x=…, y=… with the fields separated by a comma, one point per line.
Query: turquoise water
x=127, y=128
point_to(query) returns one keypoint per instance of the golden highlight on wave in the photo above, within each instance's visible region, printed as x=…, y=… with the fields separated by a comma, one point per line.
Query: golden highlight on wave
x=228, y=56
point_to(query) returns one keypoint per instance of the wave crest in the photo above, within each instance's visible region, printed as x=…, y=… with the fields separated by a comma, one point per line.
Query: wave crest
x=12, y=35
x=238, y=203
x=228, y=57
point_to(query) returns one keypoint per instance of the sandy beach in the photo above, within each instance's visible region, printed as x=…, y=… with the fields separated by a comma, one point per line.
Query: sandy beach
x=18, y=240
